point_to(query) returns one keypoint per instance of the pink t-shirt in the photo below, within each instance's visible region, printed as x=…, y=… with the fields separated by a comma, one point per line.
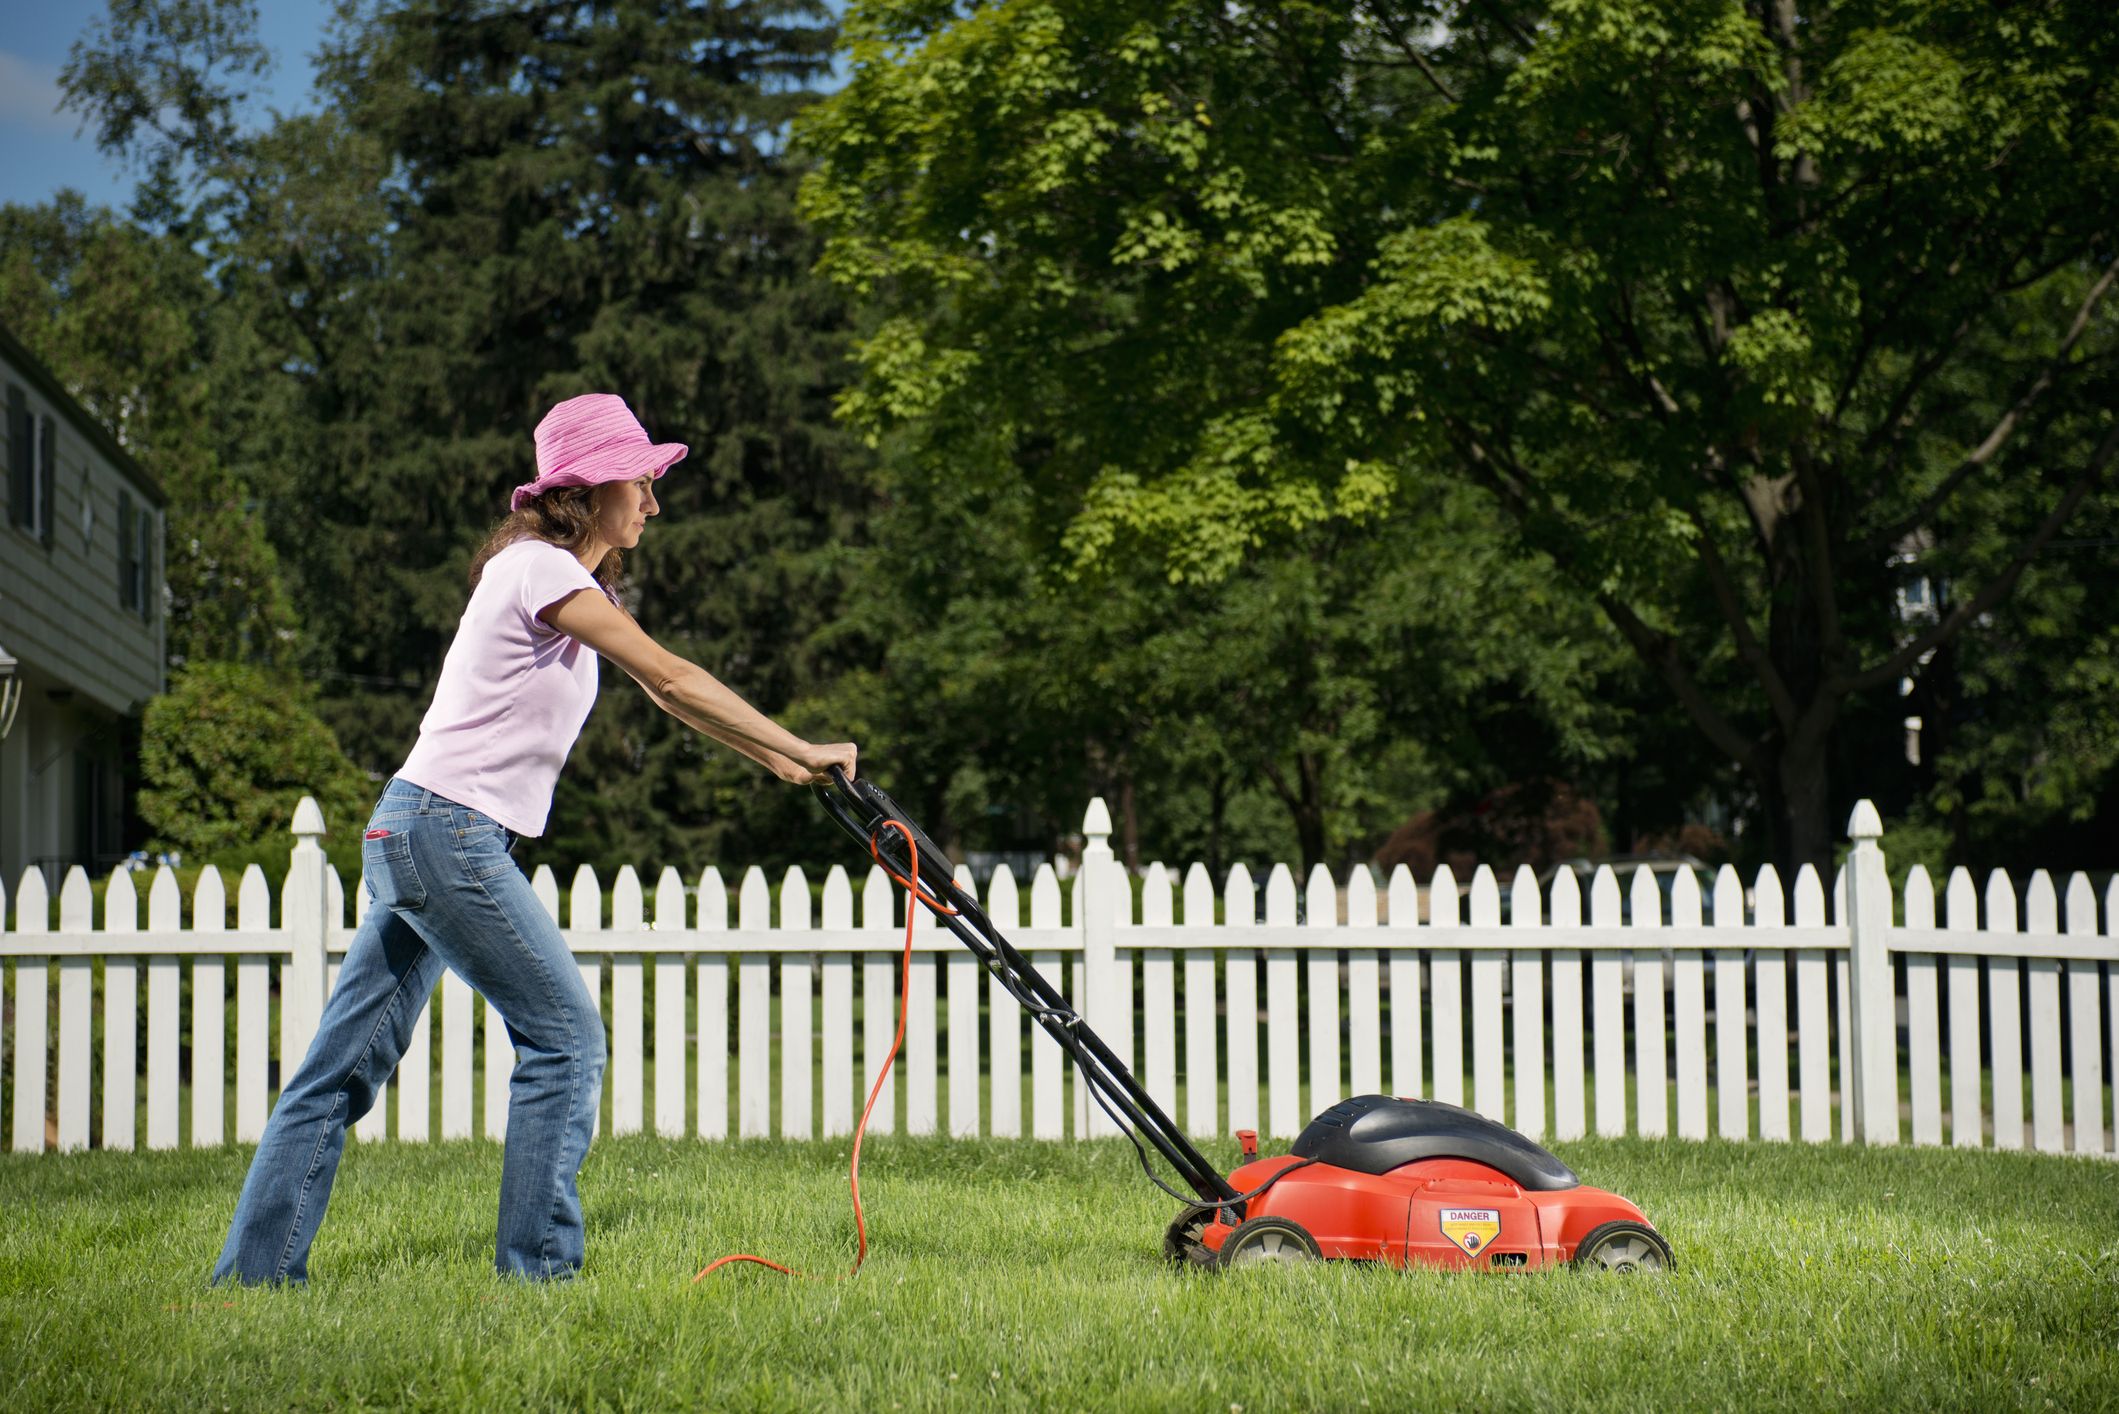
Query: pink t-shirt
x=513, y=692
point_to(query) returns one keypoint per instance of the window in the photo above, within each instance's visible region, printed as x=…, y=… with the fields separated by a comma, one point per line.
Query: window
x=136, y=549
x=21, y=460
x=33, y=463
x=133, y=523
x=47, y=477
x=143, y=560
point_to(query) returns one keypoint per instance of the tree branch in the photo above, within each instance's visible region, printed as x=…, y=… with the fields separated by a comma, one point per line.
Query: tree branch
x=1655, y=648
x=1997, y=589
x=1747, y=645
x=1405, y=46
x=1999, y=435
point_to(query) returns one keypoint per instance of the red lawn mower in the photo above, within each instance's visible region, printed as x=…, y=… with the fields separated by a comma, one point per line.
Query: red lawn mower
x=1374, y=1178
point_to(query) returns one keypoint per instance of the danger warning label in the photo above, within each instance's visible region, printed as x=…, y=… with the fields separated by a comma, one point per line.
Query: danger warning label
x=1473, y=1229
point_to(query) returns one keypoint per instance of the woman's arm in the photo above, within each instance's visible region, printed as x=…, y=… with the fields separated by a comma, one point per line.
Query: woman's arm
x=786, y=768
x=690, y=693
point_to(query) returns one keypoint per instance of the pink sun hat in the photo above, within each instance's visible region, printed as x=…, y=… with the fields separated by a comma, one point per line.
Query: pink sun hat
x=592, y=439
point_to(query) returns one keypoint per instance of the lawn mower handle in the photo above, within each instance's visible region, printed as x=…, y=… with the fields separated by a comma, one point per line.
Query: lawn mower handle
x=861, y=808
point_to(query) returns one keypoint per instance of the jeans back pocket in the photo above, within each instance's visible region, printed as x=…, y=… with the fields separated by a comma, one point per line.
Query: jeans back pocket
x=393, y=879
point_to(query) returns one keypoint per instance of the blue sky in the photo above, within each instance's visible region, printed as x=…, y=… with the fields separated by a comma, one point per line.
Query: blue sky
x=43, y=153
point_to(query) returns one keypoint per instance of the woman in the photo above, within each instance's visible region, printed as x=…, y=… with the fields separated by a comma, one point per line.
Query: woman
x=517, y=683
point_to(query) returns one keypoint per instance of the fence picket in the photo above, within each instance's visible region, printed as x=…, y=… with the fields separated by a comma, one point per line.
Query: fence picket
x=1202, y=1053
x=671, y=1005
x=879, y=998
x=1240, y=977
x=1283, y=1054
x=754, y=1011
x=1321, y=911
x=1732, y=1085
x=921, y=1108
x=1688, y=1001
x=1527, y=984
x=1812, y=1020
x=1923, y=1030
x=1568, y=1114
x=1489, y=1072
x=1768, y=912
x=1004, y=1016
x=121, y=1006
x=165, y=914
x=1158, y=994
x=1967, y=1120
x=963, y=1033
x=1607, y=978
x=1445, y=988
x=77, y=978
x=837, y=1089
x=1651, y=1044
x=1364, y=989
x=628, y=1008
x=209, y=1014
x=32, y=998
x=712, y=1027
x=797, y=1012
x=1407, y=1051
x=1048, y=1099
x=2085, y=1025
x=2004, y=1023
x=2042, y=915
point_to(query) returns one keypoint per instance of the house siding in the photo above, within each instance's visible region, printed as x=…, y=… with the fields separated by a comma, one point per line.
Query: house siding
x=86, y=665
x=60, y=599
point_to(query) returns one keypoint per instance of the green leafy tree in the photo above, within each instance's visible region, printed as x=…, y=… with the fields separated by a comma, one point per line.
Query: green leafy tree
x=495, y=209
x=225, y=756
x=1300, y=708
x=1730, y=306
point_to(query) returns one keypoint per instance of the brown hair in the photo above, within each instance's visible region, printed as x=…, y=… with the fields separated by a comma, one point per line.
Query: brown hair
x=564, y=516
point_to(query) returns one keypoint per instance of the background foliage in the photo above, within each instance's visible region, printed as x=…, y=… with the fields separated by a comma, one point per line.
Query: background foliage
x=1300, y=424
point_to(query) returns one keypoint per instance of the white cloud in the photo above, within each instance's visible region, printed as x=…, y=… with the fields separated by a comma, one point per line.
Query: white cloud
x=29, y=96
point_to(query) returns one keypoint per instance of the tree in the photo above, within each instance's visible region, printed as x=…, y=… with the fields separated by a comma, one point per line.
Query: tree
x=124, y=319
x=497, y=209
x=1304, y=705
x=562, y=200
x=1729, y=306
x=228, y=752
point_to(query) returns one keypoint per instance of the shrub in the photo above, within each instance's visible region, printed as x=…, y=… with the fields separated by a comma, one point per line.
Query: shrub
x=226, y=755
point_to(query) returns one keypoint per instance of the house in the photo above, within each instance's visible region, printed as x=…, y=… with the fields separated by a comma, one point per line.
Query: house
x=82, y=626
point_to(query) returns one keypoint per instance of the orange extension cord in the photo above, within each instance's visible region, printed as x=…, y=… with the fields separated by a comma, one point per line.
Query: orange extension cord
x=913, y=899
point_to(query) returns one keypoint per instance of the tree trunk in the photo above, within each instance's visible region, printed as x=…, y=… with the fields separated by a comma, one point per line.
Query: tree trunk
x=1808, y=830
x=1309, y=814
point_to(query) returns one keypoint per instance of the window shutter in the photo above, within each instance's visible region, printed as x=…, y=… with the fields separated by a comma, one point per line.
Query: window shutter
x=150, y=589
x=125, y=580
x=18, y=456
x=47, y=476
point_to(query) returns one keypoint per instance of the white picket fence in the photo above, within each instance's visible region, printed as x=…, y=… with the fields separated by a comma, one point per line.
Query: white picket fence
x=1773, y=1017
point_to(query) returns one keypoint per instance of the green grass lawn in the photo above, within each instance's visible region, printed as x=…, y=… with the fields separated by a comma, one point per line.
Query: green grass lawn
x=1026, y=1275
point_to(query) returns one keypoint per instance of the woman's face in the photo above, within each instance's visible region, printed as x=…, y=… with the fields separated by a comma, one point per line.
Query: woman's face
x=622, y=509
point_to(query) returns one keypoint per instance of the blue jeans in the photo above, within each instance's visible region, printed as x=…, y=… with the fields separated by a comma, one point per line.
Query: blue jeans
x=447, y=894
